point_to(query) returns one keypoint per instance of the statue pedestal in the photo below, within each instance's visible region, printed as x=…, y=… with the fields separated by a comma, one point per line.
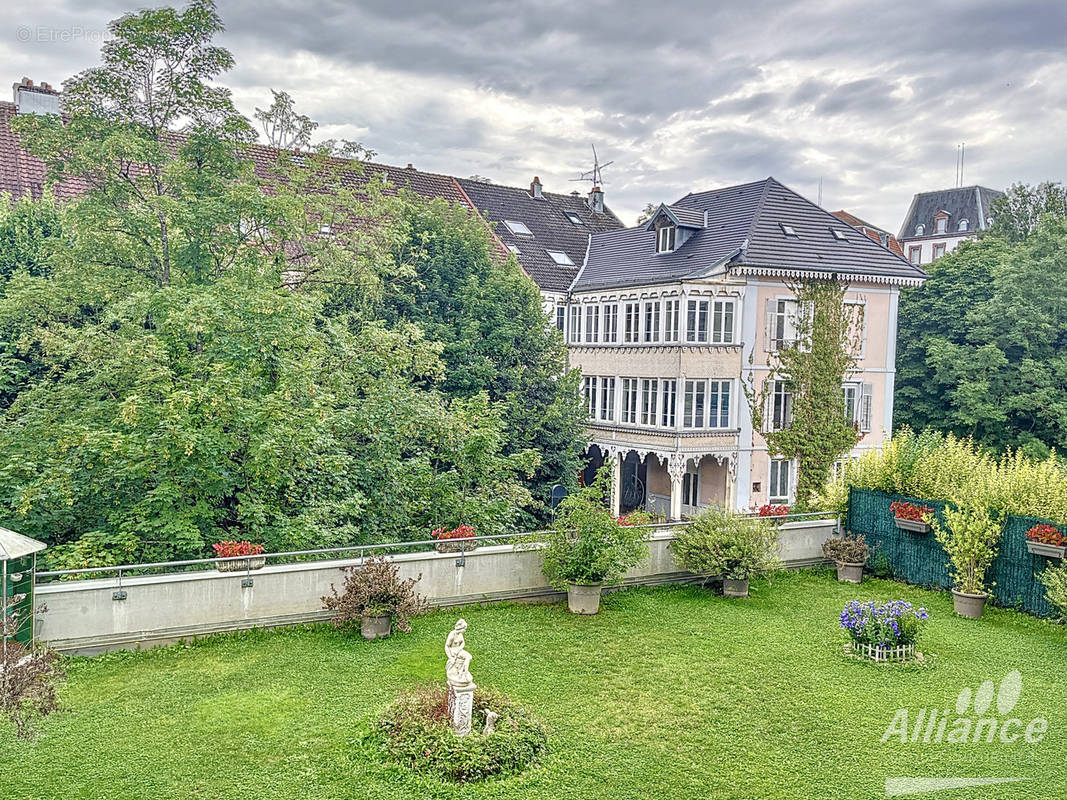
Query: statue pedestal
x=461, y=705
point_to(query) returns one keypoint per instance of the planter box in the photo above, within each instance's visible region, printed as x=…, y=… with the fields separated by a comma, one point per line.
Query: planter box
x=1046, y=550
x=371, y=628
x=913, y=525
x=241, y=565
x=904, y=652
x=456, y=545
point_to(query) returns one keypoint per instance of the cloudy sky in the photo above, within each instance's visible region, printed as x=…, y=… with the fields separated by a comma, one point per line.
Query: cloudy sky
x=871, y=99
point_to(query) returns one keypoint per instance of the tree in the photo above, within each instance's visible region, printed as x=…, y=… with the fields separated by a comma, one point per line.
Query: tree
x=282, y=126
x=646, y=214
x=814, y=366
x=1018, y=211
x=28, y=230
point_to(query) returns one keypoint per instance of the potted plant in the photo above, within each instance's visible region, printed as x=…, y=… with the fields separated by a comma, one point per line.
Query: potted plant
x=458, y=539
x=586, y=547
x=230, y=549
x=375, y=597
x=969, y=535
x=885, y=632
x=725, y=544
x=1046, y=540
x=769, y=510
x=850, y=554
x=911, y=516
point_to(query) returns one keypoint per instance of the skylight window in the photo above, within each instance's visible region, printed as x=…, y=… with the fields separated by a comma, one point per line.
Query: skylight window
x=789, y=230
x=839, y=234
x=518, y=228
x=573, y=218
x=513, y=248
x=560, y=258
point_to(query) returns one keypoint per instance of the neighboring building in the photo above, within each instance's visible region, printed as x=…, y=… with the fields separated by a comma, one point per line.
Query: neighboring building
x=880, y=235
x=548, y=232
x=667, y=320
x=937, y=222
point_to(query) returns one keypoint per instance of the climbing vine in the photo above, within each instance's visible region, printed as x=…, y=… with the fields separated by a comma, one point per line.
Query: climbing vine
x=814, y=366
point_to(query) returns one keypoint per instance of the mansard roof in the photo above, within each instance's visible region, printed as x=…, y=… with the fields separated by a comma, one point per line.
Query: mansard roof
x=755, y=228
x=972, y=203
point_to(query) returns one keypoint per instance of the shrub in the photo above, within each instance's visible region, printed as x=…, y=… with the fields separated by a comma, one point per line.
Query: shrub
x=848, y=549
x=375, y=590
x=889, y=625
x=1046, y=534
x=1055, y=581
x=229, y=549
x=28, y=676
x=586, y=544
x=639, y=518
x=969, y=536
x=416, y=732
x=724, y=543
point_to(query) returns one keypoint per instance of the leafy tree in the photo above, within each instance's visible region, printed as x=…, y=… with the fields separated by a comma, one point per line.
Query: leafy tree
x=282, y=126
x=646, y=214
x=1018, y=211
x=29, y=229
x=814, y=366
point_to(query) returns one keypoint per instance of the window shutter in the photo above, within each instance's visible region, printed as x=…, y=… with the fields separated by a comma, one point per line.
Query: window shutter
x=865, y=408
x=768, y=407
x=769, y=333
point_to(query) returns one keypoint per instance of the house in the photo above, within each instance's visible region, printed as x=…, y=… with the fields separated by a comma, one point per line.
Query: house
x=937, y=222
x=669, y=321
x=880, y=235
x=548, y=232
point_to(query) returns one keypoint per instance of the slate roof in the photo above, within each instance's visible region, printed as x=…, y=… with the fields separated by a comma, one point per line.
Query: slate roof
x=971, y=203
x=876, y=233
x=745, y=235
x=547, y=222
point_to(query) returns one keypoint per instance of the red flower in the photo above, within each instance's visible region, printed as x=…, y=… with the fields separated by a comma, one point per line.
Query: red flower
x=228, y=549
x=773, y=511
x=461, y=532
x=1046, y=534
x=910, y=511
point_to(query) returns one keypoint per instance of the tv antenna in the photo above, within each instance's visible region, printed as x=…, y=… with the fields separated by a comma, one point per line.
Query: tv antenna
x=961, y=152
x=595, y=175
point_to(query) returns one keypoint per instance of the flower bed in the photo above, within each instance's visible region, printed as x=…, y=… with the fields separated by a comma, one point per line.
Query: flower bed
x=460, y=538
x=883, y=632
x=231, y=549
x=1046, y=540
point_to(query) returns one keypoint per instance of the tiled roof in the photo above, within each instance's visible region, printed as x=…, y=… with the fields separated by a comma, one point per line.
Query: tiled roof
x=548, y=224
x=971, y=203
x=880, y=235
x=745, y=234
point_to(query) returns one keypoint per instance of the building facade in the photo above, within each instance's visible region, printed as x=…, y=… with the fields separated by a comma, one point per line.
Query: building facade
x=671, y=321
x=937, y=222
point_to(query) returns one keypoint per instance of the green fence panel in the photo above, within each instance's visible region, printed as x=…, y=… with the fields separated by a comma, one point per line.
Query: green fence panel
x=918, y=559
x=20, y=582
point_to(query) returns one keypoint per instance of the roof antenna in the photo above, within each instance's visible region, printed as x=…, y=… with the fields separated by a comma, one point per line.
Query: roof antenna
x=963, y=156
x=819, y=204
x=595, y=175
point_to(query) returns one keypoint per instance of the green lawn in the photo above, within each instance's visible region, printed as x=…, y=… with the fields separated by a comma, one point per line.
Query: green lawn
x=668, y=693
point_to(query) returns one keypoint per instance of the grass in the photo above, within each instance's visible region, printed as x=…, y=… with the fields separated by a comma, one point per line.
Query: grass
x=668, y=693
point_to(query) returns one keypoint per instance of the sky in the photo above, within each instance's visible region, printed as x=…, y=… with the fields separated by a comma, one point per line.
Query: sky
x=869, y=99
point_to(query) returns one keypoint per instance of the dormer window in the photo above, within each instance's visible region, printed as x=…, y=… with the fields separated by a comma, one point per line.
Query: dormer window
x=941, y=225
x=665, y=237
x=518, y=228
x=964, y=224
x=920, y=230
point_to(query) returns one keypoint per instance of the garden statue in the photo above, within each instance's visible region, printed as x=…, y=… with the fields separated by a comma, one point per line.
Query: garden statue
x=460, y=684
x=490, y=721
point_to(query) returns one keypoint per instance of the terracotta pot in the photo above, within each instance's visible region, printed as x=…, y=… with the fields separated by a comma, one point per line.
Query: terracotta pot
x=969, y=605
x=241, y=565
x=849, y=572
x=734, y=588
x=376, y=627
x=583, y=598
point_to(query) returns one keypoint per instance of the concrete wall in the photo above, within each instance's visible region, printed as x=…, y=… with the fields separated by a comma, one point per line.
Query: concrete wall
x=83, y=617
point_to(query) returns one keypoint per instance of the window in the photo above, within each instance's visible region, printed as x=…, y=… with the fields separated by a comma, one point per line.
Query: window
x=915, y=254
x=851, y=392
x=652, y=321
x=690, y=487
x=920, y=230
x=964, y=225
x=722, y=322
x=789, y=230
x=573, y=218
x=561, y=318
x=518, y=228
x=719, y=403
x=665, y=239
x=670, y=320
x=670, y=392
x=941, y=225
x=607, y=399
x=629, y=400
x=514, y=248
x=649, y=397
x=781, y=324
x=778, y=491
x=839, y=234
x=781, y=411
x=695, y=404
x=611, y=324
x=939, y=250
x=866, y=407
x=631, y=322
x=592, y=323
x=560, y=258
x=575, y=334
x=589, y=386
x=696, y=323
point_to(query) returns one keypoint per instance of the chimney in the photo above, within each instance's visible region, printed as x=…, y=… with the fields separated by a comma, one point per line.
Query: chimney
x=30, y=99
x=596, y=200
x=535, y=188
x=410, y=166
